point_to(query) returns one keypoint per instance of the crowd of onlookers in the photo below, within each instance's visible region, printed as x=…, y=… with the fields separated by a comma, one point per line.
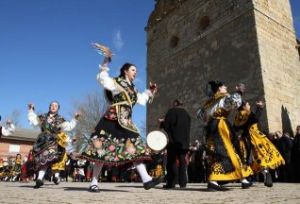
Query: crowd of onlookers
x=21, y=169
x=289, y=147
x=75, y=171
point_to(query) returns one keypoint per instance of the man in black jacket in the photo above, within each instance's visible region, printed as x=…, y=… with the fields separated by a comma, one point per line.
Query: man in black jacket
x=177, y=125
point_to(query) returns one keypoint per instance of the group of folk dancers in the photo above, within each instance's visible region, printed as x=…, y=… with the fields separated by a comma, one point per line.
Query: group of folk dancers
x=116, y=140
x=232, y=156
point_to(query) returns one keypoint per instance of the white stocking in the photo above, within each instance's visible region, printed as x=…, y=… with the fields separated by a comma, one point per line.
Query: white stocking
x=96, y=172
x=141, y=169
x=41, y=174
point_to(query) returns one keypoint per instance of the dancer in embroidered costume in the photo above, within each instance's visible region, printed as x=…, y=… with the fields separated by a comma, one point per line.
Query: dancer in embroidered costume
x=49, y=148
x=16, y=170
x=224, y=162
x=260, y=153
x=116, y=140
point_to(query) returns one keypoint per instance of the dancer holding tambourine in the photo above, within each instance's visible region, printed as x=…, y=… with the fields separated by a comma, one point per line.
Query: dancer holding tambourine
x=116, y=140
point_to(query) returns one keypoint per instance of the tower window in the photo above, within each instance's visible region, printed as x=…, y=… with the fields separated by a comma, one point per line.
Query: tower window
x=174, y=41
x=204, y=23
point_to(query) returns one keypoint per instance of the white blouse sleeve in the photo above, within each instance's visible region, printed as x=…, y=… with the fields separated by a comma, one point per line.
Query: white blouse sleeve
x=227, y=103
x=69, y=125
x=6, y=131
x=142, y=98
x=33, y=118
x=232, y=101
x=106, y=81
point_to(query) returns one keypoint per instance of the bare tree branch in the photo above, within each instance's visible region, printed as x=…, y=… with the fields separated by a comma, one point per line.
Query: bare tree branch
x=14, y=117
x=92, y=107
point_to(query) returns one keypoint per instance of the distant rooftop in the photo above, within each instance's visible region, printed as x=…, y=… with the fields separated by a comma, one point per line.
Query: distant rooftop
x=23, y=134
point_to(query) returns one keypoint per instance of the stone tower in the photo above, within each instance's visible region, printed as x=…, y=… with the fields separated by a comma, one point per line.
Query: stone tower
x=191, y=42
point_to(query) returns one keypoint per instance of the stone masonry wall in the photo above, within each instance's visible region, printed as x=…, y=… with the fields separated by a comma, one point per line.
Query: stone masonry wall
x=191, y=42
x=280, y=63
x=226, y=50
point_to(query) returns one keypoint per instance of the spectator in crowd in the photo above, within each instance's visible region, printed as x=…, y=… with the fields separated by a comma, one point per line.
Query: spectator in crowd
x=197, y=164
x=285, y=144
x=295, y=160
x=177, y=124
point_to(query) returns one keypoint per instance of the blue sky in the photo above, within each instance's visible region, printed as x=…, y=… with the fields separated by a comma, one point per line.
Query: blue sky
x=45, y=51
x=296, y=14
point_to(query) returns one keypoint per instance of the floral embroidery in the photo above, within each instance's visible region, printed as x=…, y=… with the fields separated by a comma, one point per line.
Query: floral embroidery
x=106, y=148
x=125, y=118
x=122, y=103
x=129, y=90
x=109, y=148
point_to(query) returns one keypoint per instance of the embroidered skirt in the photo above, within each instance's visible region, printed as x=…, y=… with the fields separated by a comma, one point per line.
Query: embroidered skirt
x=48, y=150
x=265, y=154
x=113, y=145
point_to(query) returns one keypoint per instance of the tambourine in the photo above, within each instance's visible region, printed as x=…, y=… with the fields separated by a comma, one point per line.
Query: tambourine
x=157, y=140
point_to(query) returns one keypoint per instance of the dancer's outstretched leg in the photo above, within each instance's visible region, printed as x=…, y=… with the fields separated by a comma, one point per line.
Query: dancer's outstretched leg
x=267, y=178
x=40, y=179
x=56, y=178
x=96, y=172
x=147, y=180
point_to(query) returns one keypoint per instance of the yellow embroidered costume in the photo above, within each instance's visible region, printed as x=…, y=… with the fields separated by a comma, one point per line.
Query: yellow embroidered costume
x=265, y=154
x=223, y=160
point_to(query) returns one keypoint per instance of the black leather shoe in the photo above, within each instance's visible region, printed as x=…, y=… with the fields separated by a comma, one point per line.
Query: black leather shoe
x=213, y=187
x=56, y=180
x=94, y=189
x=246, y=185
x=152, y=183
x=268, y=181
x=38, y=184
x=167, y=186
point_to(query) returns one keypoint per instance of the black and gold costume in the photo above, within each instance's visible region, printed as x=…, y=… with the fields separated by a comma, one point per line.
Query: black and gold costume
x=49, y=148
x=16, y=170
x=223, y=159
x=259, y=152
x=1, y=169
